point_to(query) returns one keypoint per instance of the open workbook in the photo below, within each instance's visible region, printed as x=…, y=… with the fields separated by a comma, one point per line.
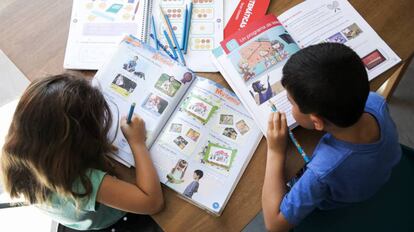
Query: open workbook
x=200, y=136
x=251, y=60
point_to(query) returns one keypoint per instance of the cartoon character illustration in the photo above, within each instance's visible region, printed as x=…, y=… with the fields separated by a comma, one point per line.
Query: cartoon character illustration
x=245, y=70
x=278, y=51
x=187, y=77
x=177, y=173
x=130, y=66
x=193, y=186
x=264, y=93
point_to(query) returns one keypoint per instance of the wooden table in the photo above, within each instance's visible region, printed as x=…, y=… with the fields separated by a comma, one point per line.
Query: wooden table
x=34, y=34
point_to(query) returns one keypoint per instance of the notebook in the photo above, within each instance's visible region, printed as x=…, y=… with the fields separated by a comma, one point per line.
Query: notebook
x=194, y=125
x=206, y=29
x=251, y=60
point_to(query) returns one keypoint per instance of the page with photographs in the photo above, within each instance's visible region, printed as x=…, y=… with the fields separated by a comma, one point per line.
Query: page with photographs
x=139, y=74
x=318, y=21
x=206, y=145
x=96, y=28
x=251, y=61
x=206, y=28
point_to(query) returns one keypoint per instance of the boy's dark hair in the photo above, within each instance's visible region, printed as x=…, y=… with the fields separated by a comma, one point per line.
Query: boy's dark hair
x=329, y=80
x=199, y=173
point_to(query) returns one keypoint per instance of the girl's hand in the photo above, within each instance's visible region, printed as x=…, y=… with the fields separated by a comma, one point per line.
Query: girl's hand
x=277, y=133
x=134, y=132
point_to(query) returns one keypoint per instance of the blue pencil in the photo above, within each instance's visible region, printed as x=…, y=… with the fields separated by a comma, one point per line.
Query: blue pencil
x=188, y=24
x=154, y=32
x=292, y=137
x=131, y=112
x=170, y=44
x=175, y=39
x=163, y=47
x=183, y=35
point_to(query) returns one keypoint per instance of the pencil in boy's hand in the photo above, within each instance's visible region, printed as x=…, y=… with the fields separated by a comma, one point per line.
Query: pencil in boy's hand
x=131, y=112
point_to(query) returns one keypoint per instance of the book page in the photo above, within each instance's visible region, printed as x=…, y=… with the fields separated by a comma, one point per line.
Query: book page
x=318, y=21
x=206, y=29
x=96, y=28
x=251, y=61
x=211, y=132
x=137, y=73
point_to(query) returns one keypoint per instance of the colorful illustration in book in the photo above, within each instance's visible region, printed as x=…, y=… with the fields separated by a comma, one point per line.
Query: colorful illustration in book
x=176, y=127
x=193, y=135
x=131, y=65
x=180, y=142
x=242, y=127
x=230, y=133
x=123, y=85
x=226, y=119
x=337, y=38
x=199, y=108
x=177, y=173
x=194, y=185
x=352, y=31
x=264, y=93
x=220, y=156
x=167, y=84
x=155, y=104
x=261, y=54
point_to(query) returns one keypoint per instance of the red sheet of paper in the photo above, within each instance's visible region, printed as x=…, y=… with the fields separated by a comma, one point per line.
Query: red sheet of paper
x=246, y=12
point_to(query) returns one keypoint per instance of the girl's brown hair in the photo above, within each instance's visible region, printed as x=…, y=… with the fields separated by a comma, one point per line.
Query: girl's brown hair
x=58, y=132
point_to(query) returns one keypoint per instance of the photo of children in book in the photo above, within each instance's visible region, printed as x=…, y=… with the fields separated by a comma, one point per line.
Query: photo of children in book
x=192, y=134
x=180, y=142
x=352, y=31
x=155, y=104
x=198, y=108
x=177, y=172
x=123, y=85
x=194, y=185
x=262, y=90
x=176, y=127
x=131, y=66
x=226, y=119
x=167, y=84
x=262, y=54
x=230, y=133
x=242, y=127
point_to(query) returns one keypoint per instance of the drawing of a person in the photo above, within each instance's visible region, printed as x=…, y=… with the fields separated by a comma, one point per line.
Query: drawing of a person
x=194, y=185
x=245, y=70
x=266, y=57
x=278, y=51
x=177, y=173
x=264, y=93
x=130, y=66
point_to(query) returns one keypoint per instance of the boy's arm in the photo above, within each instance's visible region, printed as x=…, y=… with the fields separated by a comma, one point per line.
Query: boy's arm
x=274, y=182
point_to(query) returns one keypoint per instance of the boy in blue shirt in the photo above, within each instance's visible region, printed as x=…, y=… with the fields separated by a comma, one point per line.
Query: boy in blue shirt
x=328, y=87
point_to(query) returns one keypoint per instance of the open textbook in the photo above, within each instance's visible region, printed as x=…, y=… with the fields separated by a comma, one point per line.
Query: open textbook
x=200, y=136
x=206, y=29
x=252, y=59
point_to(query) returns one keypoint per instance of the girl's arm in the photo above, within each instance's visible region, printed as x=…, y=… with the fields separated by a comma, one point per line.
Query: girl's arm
x=145, y=195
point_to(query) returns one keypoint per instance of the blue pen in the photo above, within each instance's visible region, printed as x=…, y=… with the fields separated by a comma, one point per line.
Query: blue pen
x=292, y=137
x=183, y=35
x=131, y=112
x=170, y=44
x=163, y=47
x=175, y=40
x=187, y=34
x=155, y=32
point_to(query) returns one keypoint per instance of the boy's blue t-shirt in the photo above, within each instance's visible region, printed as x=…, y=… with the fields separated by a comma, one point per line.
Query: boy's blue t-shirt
x=341, y=173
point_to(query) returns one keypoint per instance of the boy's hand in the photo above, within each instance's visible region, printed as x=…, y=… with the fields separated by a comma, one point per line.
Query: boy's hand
x=135, y=131
x=277, y=133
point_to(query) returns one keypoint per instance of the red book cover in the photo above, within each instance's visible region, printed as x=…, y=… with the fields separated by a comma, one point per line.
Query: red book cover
x=246, y=12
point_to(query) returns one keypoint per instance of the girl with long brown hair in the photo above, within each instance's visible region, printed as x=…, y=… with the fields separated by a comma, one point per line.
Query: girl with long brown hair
x=54, y=156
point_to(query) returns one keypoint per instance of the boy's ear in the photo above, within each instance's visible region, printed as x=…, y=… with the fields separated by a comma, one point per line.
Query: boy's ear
x=317, y=121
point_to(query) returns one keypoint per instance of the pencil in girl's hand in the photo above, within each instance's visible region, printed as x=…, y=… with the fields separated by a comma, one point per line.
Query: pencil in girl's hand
x=131, y=112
